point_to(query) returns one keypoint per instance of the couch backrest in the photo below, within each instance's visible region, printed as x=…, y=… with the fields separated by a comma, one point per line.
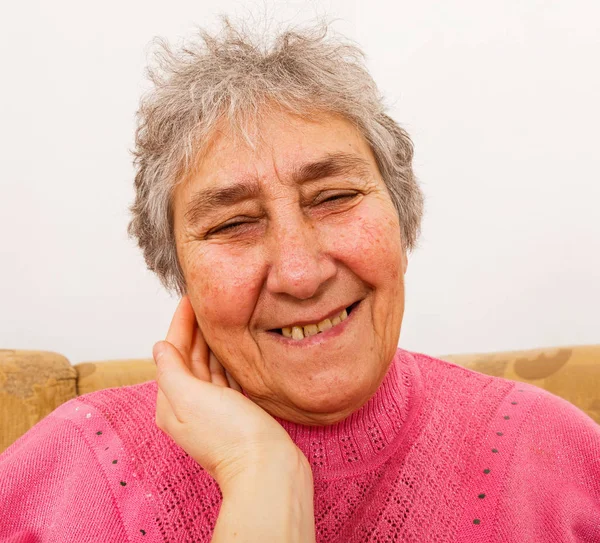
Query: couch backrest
x=34, y=383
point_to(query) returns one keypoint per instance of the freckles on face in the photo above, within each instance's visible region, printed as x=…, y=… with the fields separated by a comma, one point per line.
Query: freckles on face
x=374, y=252
x=225, y=283
x=370, y=242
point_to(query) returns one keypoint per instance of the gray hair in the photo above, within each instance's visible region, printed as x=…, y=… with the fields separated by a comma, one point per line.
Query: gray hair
x=234, y=75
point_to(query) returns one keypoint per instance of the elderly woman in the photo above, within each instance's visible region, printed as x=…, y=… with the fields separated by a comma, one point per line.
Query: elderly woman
x=275, y=195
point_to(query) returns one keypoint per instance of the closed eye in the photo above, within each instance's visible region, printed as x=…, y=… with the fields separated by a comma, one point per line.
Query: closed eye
x=229, y=227
x=338, y=197
x=232, y=226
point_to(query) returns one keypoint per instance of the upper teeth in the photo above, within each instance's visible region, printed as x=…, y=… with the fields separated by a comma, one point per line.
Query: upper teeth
x=300, y=332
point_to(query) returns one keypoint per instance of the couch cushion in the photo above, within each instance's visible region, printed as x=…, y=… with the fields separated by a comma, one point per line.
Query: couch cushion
x=32, y=385
x=94, y=376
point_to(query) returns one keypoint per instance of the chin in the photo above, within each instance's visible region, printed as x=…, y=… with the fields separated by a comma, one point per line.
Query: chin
x=333, y=398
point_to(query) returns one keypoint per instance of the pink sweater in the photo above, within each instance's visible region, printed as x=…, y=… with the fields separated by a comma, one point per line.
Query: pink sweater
x=439, y=454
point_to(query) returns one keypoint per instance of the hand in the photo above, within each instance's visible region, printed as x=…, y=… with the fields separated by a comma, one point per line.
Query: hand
x=203, y=409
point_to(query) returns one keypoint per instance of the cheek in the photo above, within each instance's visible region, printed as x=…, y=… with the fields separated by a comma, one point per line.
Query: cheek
x=371, y=247
x=224, y=292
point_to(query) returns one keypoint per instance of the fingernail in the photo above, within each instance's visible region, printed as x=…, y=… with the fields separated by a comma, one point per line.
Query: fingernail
x=158, y=350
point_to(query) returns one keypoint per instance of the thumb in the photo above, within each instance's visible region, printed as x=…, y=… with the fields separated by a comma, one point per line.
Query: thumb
x=172, y=373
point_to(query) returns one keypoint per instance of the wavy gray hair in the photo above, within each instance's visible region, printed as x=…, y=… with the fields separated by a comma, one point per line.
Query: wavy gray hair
x=234, y=75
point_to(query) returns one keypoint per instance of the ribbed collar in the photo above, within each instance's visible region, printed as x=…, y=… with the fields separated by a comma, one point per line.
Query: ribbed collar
x=368, y=436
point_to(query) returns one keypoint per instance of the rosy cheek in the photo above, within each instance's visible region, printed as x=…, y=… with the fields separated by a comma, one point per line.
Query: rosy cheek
x=224, y=287
x=371, y=246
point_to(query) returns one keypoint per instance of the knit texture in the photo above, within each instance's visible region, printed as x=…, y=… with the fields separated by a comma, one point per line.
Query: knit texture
x=439, y=454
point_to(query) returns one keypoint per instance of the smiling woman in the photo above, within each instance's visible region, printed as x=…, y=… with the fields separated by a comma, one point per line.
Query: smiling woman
x=312, y=232
x=277, y=198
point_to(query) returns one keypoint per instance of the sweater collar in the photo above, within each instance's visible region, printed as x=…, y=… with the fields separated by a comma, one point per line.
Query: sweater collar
x=368, y=436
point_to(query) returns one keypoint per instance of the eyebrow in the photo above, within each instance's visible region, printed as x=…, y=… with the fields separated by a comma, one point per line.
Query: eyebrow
x=331, y=165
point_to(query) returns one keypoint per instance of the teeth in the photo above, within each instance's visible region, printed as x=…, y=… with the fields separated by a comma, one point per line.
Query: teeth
x=300, y=332
x=324, y=325
x=310, y=330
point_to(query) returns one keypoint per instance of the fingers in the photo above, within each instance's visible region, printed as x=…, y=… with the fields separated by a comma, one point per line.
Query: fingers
x=232, y=382
x=193, y=353
x=185, y=334
x=217, y=371
x=220, y=376
x=172, y=373
x=199, y=356
x=181, y=330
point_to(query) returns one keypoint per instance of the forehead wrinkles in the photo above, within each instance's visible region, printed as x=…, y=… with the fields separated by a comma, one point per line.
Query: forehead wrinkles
x=253, y=186
x=288, y=154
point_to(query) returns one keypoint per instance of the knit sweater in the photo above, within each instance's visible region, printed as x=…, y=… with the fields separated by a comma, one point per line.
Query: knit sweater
x=439, y=454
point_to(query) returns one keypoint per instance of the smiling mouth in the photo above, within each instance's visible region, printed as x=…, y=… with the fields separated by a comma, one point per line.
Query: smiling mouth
x=301, y=332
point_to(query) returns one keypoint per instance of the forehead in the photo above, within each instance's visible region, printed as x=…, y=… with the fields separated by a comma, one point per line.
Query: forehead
x=290, y=151
x=283, y=143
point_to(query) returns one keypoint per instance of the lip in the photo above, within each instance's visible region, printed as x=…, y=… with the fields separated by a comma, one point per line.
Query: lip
x=322, y=337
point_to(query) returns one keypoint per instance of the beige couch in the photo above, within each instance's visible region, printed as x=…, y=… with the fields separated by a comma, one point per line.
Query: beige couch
x=34, y=383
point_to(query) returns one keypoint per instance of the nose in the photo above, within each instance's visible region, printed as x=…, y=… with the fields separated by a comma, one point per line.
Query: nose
x=299, y=263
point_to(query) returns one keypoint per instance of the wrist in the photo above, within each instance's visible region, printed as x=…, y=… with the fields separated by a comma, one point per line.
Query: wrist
x=274, y=465
x=271, y=500
x=274, y=468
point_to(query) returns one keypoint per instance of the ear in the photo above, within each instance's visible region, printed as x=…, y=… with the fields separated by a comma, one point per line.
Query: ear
x=404, y=262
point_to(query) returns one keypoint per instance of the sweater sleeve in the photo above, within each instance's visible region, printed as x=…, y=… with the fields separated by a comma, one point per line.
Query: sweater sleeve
x=52, y=489
x=552, y=488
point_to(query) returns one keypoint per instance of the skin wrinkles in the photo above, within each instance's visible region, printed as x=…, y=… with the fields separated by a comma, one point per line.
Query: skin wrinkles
x=248, y=211
x=207, y=200
x=299, y=258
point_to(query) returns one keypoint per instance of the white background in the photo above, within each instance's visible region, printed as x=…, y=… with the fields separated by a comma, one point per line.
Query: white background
x=501, y=99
